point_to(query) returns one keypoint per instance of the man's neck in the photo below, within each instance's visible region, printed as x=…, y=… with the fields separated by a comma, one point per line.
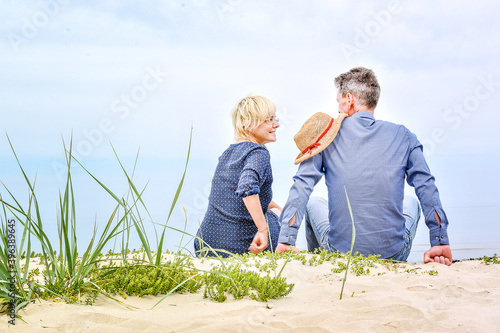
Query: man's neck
x=361, y=108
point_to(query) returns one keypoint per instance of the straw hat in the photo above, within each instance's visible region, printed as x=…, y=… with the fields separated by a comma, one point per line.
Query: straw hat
x=316, y=134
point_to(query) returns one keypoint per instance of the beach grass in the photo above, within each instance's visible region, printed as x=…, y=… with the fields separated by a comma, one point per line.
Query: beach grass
x=75, y=277
x=65, y=273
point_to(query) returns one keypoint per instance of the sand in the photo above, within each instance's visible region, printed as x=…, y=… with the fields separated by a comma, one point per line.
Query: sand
x=464, y=297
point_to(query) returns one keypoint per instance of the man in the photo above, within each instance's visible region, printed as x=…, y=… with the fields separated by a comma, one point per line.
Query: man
x=368, y=160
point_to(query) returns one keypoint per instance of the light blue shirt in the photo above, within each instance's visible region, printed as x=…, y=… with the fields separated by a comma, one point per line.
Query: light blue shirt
x=371, y=158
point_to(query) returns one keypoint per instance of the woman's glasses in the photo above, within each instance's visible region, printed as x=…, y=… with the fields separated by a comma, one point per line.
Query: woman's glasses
x=272, y=120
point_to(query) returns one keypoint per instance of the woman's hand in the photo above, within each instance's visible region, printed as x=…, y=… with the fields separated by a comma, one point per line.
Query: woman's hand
x=259, y=242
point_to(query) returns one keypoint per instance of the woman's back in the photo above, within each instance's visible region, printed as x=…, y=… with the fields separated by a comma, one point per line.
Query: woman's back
x=244, y=169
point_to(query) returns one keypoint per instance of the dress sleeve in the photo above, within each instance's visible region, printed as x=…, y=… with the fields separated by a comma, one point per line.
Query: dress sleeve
x=255, y=172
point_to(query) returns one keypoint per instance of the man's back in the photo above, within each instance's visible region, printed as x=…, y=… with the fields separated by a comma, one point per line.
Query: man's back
x=369, y=157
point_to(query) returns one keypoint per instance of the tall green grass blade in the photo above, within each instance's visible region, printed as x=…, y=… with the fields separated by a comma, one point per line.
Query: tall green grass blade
x=180, y=247
x=134, y=192
x=181, y=183
x=288, y=259
x=352, y=244
x=174, y=201
x=138, y=197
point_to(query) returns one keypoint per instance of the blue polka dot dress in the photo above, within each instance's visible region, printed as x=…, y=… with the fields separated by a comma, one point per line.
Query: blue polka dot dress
x=244, y=169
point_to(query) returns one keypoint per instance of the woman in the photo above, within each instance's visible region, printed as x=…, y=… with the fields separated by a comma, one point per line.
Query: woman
x=241, y=215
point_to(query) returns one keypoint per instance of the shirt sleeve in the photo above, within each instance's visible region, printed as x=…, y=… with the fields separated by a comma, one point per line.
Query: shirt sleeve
x=419, y=176
x=308, y=175
x=254, y=172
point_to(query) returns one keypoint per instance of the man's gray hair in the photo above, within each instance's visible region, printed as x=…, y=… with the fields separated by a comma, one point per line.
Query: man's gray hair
x=362, y=83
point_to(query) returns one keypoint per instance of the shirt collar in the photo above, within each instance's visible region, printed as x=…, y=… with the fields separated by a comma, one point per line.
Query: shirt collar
x=364, y=116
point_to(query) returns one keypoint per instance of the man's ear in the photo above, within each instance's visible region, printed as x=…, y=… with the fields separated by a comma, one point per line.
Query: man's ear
x=350, y=99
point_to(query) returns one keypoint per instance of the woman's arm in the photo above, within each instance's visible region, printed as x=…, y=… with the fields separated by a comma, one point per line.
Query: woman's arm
x=274, y=205
x=260, y=241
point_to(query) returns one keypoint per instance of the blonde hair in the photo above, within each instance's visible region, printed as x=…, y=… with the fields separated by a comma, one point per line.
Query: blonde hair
x=249, y=113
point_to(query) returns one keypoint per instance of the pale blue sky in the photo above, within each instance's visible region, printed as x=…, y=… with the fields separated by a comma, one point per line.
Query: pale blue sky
x=140, y=74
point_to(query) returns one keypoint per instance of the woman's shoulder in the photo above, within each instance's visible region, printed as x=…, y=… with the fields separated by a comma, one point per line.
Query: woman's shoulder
x=241, y=151
x=246, y=148
x=246, y=152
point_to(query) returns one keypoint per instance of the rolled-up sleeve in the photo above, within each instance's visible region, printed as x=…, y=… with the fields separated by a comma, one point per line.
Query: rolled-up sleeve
x=419, y=176
x=308, y=175
x=255, y=171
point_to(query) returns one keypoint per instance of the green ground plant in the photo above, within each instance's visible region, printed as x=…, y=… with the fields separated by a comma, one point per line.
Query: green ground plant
x=491, y=260
x=140, y=280
x=240, y=283
x=180, y=275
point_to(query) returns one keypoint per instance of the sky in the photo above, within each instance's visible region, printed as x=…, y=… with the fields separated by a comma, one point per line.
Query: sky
x=139, y=77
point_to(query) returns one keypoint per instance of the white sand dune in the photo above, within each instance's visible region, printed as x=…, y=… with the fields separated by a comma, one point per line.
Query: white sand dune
x=464, y=297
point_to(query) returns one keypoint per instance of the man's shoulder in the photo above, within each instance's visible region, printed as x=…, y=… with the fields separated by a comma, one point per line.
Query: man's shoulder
x=389, y=123
x=394, y=126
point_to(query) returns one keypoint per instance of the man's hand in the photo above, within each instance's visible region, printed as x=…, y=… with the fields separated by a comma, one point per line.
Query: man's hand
x=440, y=254
x=282, y=247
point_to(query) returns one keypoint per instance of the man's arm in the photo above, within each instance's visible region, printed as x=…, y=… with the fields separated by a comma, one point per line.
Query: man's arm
x=439, y=253
x=420, y=177
x=308, y=175
x=283, y=247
